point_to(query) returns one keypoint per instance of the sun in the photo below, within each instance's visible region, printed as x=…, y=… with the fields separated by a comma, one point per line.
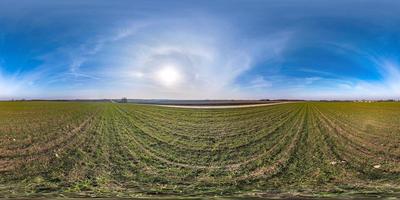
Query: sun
x=168, y=76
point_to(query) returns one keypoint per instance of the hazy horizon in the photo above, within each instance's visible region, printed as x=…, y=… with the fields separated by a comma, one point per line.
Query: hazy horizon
x=312, y=50
x=205, y=99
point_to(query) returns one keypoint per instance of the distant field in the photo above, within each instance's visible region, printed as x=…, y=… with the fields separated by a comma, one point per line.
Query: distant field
x=218, y=106
x=201, y=102
x=129, y=150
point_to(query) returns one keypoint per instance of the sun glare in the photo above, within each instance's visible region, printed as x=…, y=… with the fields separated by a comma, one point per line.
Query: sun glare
x=168, y=76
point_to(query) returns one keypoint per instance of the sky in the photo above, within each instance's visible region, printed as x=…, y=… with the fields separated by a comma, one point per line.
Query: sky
x=191, y=49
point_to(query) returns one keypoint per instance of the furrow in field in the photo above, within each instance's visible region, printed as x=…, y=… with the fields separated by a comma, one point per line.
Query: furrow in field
x=41, y=158
x=41, y=161
x=225, y=127
x=369, y=140
x=312, y=162
x=377, y=140
x=36, y=149
x=190, y=146
x=206, y=159
x=286, y=160
x=372, y=117
x=283, y=153
x=49, y=122
x=360, y=144
x=228, y=128
x=358, y=158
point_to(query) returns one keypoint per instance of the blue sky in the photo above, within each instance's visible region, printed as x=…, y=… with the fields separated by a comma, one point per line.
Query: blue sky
x=199, y=49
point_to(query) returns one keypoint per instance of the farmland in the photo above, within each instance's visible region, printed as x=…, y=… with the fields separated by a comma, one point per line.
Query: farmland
x=130, y=150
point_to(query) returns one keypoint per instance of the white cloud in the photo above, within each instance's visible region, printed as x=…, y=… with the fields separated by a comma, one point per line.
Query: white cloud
x=207, y=56
x=259, y=82
x=7, y=87
x=391, y=72
x=17, y=86
x=207, y=63
x=311, y=80
x=387, y=87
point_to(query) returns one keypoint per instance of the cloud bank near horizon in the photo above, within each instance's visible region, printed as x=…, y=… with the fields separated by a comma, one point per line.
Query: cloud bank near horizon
x=199, y=50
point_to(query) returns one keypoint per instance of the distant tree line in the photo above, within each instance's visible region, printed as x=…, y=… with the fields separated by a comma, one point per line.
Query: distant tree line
x=124, y=100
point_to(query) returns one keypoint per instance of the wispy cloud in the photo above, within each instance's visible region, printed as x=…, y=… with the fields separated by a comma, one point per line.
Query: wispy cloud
x=17, y=85
x=211, y=50
x=208, y=62
x=259, y=82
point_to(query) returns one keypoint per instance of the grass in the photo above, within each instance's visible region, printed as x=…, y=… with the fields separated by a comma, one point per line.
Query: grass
x=306, y=149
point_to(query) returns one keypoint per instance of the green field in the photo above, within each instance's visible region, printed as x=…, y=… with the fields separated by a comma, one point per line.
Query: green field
x=127, y=150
